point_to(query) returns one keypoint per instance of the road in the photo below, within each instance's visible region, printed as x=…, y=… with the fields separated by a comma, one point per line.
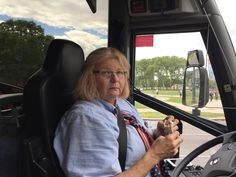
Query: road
x=193, y=137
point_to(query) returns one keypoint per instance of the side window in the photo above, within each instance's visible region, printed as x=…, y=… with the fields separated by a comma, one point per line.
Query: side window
x=159, y=72
x=26, y=34
x=22, y=50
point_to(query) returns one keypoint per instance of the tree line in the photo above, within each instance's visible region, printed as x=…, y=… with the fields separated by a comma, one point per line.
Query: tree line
x=22, y=50
x=160, y=72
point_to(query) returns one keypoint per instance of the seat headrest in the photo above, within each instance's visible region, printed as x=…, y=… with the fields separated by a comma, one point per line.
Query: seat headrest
x=64, y=59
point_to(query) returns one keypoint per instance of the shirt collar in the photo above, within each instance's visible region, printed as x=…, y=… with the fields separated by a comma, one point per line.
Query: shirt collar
x=106, y=105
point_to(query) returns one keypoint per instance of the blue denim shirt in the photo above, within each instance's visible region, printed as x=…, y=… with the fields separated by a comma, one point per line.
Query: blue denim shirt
x=86, y=139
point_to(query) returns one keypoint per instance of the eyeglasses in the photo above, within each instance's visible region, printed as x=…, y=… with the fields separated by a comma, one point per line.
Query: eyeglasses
x=107, y=73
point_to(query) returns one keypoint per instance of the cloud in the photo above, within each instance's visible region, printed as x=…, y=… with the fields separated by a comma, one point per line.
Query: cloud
x=87, y=41
x=69, y=19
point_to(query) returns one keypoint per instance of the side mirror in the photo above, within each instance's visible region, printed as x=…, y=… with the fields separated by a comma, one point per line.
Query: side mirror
x=196, y=85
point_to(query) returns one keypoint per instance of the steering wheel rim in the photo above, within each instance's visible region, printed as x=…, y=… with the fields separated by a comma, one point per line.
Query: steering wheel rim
x=225, y=138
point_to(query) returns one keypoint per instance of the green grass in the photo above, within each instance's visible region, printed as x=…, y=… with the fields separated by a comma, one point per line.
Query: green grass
x=169, y=92
x=175, y=99
x=152, y=115
x=211, y=115
x=172, y=97
x=158, y=115
x=162, y=92
x=139, y=105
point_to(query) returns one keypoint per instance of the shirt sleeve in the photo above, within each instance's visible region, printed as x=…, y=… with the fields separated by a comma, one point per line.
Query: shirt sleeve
x=86, y=144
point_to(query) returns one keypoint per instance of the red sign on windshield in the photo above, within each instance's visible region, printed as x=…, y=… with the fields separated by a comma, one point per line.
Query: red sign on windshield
x=144, y=41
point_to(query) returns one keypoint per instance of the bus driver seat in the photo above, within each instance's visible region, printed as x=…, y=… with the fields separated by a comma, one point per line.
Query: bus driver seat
x=47, y=95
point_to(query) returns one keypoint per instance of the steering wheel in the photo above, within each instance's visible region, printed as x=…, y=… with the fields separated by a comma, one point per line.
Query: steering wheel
x=222, y=163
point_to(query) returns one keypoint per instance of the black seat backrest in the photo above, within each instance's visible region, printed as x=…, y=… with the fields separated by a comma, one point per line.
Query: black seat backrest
x=47, y=95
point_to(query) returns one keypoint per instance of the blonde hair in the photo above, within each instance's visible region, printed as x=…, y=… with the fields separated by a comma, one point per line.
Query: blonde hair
x=86, y=87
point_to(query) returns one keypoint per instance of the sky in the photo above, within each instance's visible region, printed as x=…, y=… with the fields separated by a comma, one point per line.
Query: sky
x=72, y=19
x=67, y=19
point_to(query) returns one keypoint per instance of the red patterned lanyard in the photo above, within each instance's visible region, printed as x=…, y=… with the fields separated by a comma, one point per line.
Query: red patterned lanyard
x=143, y=133
x=157, y=170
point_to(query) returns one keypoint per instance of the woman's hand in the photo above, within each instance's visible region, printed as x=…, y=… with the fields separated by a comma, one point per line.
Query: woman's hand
x=168, y=141
x=165, y=146
x=168, y=125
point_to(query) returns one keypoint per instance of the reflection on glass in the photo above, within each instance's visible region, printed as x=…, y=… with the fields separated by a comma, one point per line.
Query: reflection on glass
x=192, y=86
x=192, y=58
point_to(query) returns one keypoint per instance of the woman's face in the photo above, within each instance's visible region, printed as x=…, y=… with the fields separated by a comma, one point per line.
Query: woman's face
x=110, y=79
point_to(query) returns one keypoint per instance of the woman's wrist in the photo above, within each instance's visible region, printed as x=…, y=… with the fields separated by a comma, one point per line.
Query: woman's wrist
x=151, y=157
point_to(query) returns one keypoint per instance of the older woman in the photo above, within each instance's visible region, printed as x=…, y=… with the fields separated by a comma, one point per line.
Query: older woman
x=86, y=137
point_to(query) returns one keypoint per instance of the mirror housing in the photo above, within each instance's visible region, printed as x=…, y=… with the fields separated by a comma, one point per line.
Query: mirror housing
x=196, y=84
x=195, y=58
